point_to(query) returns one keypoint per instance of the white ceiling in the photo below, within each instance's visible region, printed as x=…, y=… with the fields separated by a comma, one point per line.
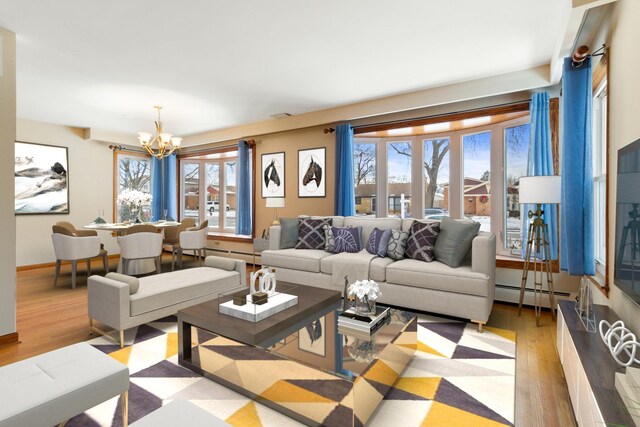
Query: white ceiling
x=217, y=64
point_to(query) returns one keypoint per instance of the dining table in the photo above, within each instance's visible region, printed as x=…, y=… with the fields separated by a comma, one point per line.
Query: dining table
x=142, y=266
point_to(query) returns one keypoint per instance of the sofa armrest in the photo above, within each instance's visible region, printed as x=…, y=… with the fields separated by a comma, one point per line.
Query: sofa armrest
x=226, y=263
x=483, y=255
x=241, y=267
x=108, y=301
x=274, y=237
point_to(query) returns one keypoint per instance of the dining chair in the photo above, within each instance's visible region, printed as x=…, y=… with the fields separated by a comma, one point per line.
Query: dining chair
x=142, y=228
x=69, y=246
x=140, y=245
x=195, y=239
x=172, y=234
x=76, y=231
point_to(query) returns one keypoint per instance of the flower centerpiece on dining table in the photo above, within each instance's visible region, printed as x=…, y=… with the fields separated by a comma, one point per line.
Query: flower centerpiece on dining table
x=132, y=202
x=366, y=292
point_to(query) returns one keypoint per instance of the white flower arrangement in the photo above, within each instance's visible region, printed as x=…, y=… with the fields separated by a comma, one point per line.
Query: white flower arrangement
x=134, y=199
x=364, y=289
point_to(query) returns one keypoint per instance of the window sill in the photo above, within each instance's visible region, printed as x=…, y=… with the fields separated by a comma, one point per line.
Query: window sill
x=503, y=261
x=229, y=237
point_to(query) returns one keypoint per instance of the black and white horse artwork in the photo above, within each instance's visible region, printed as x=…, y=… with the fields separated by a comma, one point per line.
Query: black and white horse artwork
x=314, y=329
x=314, y=173
x=271, y=175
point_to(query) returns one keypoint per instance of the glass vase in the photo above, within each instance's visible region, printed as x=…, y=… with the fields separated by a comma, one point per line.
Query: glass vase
x=365, y=306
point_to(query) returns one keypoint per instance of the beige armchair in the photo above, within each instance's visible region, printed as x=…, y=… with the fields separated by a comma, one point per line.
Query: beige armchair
x=191, y=239
x=71, y=247
x=140, y=245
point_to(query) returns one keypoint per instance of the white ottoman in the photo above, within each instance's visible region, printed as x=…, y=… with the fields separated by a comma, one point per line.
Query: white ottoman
x=53, y=387
x=180, y=413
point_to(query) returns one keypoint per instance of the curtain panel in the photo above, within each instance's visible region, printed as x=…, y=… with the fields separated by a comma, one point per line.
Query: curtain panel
x=540, y=163
x=345, y=198
x=577, y=255
x=244, y=220
x=164, y=188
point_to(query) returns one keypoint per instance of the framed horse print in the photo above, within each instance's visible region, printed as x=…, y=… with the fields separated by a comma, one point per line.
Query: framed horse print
x=312, y=172
x=272, y=175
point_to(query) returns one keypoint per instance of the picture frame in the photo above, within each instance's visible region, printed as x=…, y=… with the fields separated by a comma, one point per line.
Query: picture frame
x=41, y=179
x=272, y=175
x=312, y=172
x=312, y=338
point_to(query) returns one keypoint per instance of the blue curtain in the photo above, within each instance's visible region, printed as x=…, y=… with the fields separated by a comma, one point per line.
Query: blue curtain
x=345, y=198
x=577, y=251
x=164, y=188
x=540, y=163
x=243, y=212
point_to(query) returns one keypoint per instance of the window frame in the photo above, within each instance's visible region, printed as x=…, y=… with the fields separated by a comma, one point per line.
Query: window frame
x=117, y=154
x=600, y=160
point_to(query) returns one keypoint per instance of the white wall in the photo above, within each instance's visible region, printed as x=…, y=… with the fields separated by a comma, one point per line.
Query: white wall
x=7, y=220
x=90, y=189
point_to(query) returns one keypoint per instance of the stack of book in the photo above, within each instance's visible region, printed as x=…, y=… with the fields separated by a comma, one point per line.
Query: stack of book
x=350, y=323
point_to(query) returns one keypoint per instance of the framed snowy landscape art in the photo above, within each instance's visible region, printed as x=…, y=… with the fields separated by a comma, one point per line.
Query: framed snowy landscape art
x=41, y=184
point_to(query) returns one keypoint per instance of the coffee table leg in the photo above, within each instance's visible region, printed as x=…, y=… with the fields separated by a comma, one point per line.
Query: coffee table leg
x=184, y=340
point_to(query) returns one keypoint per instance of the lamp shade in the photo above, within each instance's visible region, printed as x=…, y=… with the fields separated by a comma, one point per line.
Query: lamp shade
x=540, y=189
x=275, y=202
x=628, y=188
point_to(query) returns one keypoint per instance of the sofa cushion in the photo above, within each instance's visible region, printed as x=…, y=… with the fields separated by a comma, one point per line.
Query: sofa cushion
x=369, y=223
x=288, y=232
x=311, y=233
x=378, y=268
x=378, y=242
x=438, y=276
x=422, y=241
x=222, y=263
x=167, y=289
x=347, y=239
x=294, y=259
x=133, y=282
x=397, y=244
x=454, y=241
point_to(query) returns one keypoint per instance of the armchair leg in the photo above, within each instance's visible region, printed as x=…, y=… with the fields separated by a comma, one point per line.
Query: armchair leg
x=125, y=408
x=158, y=265
x=480, y=325
x=121, y=339
x=105, y=262
x=55, y=279
x=125, y=266
x=74, y=267
x=180, y=258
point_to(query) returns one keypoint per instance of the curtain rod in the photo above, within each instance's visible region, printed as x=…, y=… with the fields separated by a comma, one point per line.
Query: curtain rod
x=434, y=116
x=251, y=142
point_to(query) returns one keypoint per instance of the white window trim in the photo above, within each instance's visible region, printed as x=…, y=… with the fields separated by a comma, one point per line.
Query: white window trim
x=600, y=118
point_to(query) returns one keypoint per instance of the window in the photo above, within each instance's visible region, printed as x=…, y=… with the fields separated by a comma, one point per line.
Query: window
x=600, y=174
x=133, y=173
x=464, y=168
x=211, y=196
x=364, y=176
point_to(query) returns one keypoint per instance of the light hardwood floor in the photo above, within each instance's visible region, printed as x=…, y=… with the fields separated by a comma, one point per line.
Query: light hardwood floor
x=50, y=318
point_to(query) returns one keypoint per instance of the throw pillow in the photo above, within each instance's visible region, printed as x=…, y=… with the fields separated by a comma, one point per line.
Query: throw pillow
x=454, y=241
x=378, y=242
x=329, y=239
x=397, y=244
x=220, y=262
x=422, y=240
x=311, y=233
x=133, y=282
x=288, y=232
x=347, y=239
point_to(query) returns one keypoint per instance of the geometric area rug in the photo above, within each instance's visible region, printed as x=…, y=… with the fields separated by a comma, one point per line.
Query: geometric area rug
x=458, y=377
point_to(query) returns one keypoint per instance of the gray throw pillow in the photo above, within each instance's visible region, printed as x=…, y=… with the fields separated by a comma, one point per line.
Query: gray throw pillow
x=378, y=242
x=422, y=240
x=397, y=244
x=227, y=264
x=288, y=232
x=347, y=239
x=311, y=233
x=133, y=282
x=455, y=240
x=330, y=240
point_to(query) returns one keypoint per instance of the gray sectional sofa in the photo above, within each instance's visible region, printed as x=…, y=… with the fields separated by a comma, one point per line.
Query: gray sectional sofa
x=466, y=291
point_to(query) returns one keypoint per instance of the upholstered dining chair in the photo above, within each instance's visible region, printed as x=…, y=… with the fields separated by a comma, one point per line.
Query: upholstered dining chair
x=140, y=245
x=172, y=234
x=69, y=246
x=142, y=228
x=194, y=239
x=76, y=231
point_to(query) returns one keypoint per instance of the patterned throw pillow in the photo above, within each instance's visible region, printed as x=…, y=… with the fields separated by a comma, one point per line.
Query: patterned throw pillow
x=397, y=244
x=347, y=239
x=329, y=239
x=422, y=240
x=311, y=233
x=378, y=242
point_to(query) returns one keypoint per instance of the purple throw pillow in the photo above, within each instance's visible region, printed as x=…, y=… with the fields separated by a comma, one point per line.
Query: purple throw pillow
x=311, y=233
x=378, y=241
x=422, y=240
x=347, y=239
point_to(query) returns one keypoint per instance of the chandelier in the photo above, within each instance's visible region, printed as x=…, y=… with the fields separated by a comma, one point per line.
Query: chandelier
x=167, y=143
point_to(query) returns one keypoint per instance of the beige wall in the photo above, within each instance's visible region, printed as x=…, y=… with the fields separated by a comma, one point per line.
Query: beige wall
x=90, y=189
x=624, y=127
x=7, y=219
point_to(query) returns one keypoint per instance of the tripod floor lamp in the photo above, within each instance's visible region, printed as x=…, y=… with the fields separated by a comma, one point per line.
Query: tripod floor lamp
x=538, y=190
